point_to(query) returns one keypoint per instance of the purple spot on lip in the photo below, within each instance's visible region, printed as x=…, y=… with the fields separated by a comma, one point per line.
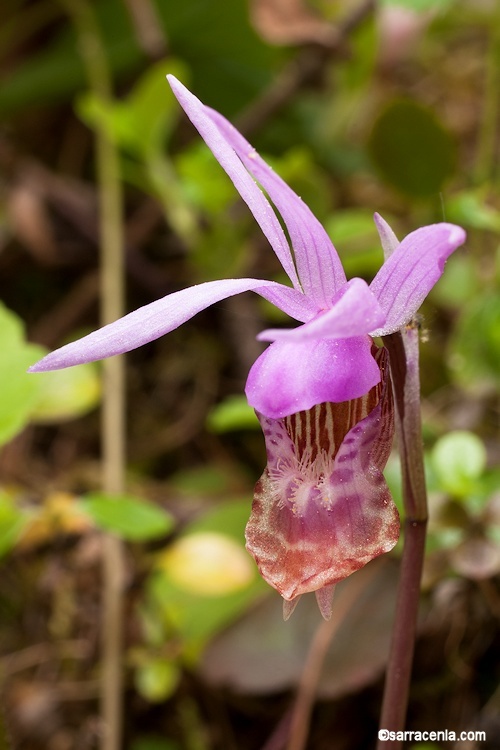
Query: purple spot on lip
x=342, y=475
x=347, y=456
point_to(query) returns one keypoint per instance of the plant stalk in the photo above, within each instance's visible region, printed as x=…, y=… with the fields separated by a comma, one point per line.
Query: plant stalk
x=403, y=353
x=113, y=409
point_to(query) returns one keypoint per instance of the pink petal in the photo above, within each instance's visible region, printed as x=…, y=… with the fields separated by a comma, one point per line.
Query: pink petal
x=164, y=315
x=388, y=239
x=322, y=508
x=292, y=376
x=407, y=277
x=320, y=270
x=324, y=598
x=355, y=312
x=243, y=182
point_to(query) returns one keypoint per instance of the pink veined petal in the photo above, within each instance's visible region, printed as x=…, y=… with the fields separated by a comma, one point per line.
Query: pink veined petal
x=320, y=270
x=243, y=182
x=355, y=312
x=293, y=376
x=388, y=239
x=162, y=316
x=407, y=277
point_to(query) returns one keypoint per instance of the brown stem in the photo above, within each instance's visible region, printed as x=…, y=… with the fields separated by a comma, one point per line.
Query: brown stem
x=112, y=422
x=397, y=681
x=403, y=352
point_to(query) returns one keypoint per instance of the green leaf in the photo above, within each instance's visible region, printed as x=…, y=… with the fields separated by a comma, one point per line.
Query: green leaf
x=234, y=413
x=420, y=6
x=210, y=480
x=208, y=563
x=153, y=108
x=354, y=76
x=474, y=353
x=157, y=679
x=228, y=518
x=459, y=284
x=18, y=389
x=411, y=149
x=198, y=617
x=141, y=122
x=12, y=522
x=204, y=183
x=228, y=60
x=115, y=117
x=458, y=458
x=128, y=517
x=66, y=394
x=470, y=208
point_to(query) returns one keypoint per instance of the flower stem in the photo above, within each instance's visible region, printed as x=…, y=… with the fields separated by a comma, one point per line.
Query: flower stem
x=403, y=353
x=113, y=422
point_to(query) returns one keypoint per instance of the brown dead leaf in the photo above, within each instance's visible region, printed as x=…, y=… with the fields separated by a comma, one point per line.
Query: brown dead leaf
x=31, y=224
x=59, y=514
x=476, y=558
x=263, y=654
x=290, y=22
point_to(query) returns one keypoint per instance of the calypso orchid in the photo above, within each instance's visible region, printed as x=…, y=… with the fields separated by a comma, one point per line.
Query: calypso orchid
x=321, y=390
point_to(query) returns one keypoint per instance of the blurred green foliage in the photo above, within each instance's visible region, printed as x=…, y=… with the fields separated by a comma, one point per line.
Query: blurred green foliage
x=49, y=397
x=12, y=522
x=234, y=413
x=411, y=149
x=130, y=518
x=464, y=527
x=19, y=391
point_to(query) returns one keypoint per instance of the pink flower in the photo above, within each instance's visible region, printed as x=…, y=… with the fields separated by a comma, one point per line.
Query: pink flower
x=321, y=390
x=327, y=358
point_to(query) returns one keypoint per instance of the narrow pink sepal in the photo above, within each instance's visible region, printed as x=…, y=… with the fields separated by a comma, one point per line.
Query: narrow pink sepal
x=324, y=597
x=318, y=264
x=413, y=268
x=164, y=315
x=217, y=141
x=388, y=239
x=289, y=607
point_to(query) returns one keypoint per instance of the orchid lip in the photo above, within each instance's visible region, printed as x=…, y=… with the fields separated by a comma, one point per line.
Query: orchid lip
x=322, y=508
